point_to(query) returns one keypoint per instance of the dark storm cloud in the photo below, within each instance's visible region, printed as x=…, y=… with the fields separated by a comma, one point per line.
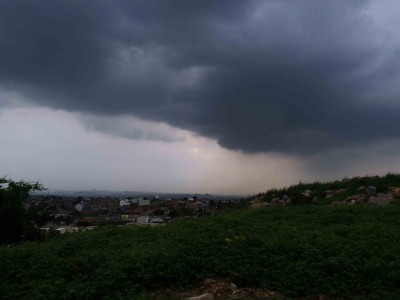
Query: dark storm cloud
x=285, y=76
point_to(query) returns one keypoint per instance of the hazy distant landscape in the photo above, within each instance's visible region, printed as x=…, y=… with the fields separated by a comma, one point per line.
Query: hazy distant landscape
x=95, y=193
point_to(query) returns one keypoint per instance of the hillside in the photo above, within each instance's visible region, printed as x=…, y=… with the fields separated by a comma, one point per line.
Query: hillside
x=383, y=190
x=347, y=251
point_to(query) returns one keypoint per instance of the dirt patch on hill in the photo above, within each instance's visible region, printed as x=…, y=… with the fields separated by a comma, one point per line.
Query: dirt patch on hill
x=221, y=289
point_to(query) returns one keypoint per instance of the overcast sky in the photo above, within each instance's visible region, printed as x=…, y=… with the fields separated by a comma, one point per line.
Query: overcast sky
x=198, y=96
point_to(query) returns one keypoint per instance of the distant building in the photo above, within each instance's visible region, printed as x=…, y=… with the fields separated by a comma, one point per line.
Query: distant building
x=124, y=202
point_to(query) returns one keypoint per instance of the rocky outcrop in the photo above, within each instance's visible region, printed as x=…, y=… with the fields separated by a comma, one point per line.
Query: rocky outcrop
x=370, y=197
x=368, y=194
x=278, y=201
x=257, y=202
x=395, y=191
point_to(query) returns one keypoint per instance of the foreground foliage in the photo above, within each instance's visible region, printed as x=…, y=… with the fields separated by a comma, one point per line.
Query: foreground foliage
x=300, y=251
x=14, y=220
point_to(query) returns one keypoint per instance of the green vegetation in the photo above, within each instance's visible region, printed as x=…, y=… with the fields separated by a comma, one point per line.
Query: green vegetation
x=14, y=219
x=301, y=251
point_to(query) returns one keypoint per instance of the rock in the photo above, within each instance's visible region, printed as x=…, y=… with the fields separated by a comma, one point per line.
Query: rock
x=369, y=191
x=206, y=296
x=361, y=188
x=396, y=192
x=307, y=193
x=339, y=191
x=315, y=200
x=372, y=200
x=329, y=196
x=233, y=286
x=275, y=200
x=329, y=192
x=381, y=199
x=357, y=198
x=285, y=198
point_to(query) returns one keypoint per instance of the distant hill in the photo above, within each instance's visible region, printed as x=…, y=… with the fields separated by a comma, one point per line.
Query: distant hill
x=367, y=189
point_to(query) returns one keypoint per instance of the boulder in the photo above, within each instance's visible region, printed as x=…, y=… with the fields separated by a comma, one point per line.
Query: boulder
x=390, y=188
x=369, y=191
x=206, y=296
x=307, y=193
x=359, y=198
x=381, y=199
x=372, y=200
x=285, y=198
x=275, y=201
x=396, y=192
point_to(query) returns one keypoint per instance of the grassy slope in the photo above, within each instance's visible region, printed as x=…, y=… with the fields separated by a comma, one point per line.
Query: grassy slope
x=350, y=251
x=303, y=250
x=351, y=185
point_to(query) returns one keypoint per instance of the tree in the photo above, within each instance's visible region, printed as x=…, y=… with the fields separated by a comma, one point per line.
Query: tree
x=14, y=222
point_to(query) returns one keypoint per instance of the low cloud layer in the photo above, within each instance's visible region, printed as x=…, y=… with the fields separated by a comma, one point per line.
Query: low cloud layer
x=257, y=76
x=131, y=128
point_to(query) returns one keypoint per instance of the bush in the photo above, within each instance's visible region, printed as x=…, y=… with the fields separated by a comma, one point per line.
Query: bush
x=14, y=222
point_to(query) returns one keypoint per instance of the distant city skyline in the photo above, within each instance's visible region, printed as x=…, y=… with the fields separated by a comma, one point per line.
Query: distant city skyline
x=220, y=97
